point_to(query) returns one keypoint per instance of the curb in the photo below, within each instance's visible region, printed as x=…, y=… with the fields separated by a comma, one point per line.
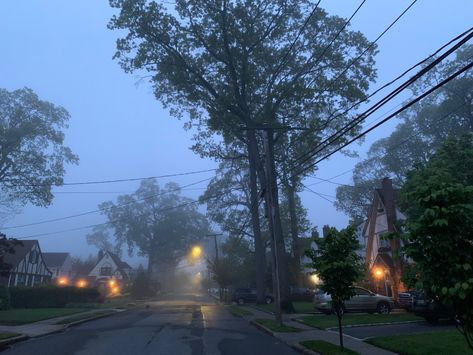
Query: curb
x=12, y=340
x=358, y=325
x=78, y=322
x=296, y=346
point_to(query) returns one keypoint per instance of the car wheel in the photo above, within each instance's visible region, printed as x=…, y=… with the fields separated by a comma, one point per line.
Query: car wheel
x=241, y=301
x=268, y=300
x=383, y=308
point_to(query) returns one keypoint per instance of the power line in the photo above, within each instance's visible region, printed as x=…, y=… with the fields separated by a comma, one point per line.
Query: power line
x=104, y=209
x=110, y=222
x=121, y=180
x=418, y=98
x=334, y=115
x=352, y=124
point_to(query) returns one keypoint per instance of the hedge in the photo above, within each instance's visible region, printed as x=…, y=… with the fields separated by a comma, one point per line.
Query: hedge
x=4, y=298
x=51, y=296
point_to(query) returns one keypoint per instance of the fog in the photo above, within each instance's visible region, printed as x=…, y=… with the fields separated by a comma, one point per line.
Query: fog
x=63, y=51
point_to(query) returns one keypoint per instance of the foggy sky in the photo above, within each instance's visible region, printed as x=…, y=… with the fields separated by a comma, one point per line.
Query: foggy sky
x=63, y=51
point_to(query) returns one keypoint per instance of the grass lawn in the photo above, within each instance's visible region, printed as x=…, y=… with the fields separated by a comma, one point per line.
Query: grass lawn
x=8, y=335
x=239, y=311
x=300, y=307
x=29, y=315
x=323, y=321
x=438, y=343
x=275, y=327
x=325, y=348
x=78, y=317
x=116, y=302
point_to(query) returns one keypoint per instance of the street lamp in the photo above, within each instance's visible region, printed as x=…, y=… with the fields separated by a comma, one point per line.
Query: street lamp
x=196, y=252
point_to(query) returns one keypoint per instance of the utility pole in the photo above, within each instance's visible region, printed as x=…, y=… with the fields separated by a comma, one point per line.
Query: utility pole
x=215, y=235
x=269, y=158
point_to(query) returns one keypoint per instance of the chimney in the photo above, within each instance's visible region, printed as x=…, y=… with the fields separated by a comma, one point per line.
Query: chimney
x=388, y=195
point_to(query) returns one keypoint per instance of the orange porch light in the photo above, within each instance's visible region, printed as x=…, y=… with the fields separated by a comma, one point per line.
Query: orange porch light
x=81, y=283
x=62, y=281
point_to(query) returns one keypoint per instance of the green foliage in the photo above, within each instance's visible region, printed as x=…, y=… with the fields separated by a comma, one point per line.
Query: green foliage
x=5, y=302
x=157, y=222
x=438, y=198
x=338, y=266
x=447, y=112
x=325, y=348
x=235, y=267
x=32, y=150
x=141, y=286
x=51, y=296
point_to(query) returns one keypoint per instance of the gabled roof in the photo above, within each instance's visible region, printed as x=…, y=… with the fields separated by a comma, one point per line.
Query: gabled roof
x=21, y=249
x=55, y=259
x=120, y=264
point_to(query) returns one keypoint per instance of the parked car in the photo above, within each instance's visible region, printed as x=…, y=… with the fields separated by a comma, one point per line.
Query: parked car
x=406, y=299
x=247, y=295
x=363, y=301
x=301, y=294
x=431, y=310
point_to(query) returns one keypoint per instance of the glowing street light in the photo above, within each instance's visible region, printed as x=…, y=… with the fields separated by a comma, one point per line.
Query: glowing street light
x=196, y=252
x=378, y=273
x=315, y=279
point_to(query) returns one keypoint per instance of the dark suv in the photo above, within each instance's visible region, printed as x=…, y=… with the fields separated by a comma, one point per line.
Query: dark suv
x=247, y=295
x=431, y=310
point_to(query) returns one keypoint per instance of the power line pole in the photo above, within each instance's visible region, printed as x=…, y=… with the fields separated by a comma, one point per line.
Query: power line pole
x=216, y=261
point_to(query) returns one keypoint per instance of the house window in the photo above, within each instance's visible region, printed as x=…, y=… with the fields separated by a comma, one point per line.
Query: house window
x=37, y=280
x=106, y=270
x=33, y=257
x=21, y=280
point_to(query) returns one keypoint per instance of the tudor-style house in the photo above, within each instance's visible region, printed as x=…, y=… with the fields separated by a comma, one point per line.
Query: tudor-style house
x=25, y=267
x=109, y=266
x=384, y=267
x=60, y=264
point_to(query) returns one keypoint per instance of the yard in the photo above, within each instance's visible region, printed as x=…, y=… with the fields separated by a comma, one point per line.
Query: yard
x=438, y=343
x=325, y=348
x=323, y=321
x=29, y=315
x=275, y=327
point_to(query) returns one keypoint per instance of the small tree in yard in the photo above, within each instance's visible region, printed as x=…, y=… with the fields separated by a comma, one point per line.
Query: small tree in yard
x=438, y=199
x=338, y=266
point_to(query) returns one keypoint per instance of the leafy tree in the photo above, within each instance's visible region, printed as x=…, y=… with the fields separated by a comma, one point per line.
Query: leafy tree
x=102, y=239
x=438, y=198
x=336, y=262
x=81, y=267
x=32, y=151
x=236, y=65
x=157, y=222
x=424, y=128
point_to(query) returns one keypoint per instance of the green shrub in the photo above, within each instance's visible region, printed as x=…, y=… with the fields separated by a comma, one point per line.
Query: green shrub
x=4, y=298
x=51, y=296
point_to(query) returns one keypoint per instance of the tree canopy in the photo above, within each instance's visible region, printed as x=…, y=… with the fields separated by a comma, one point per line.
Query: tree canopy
x=156, y=222
x=32, y=151
x=438, y=198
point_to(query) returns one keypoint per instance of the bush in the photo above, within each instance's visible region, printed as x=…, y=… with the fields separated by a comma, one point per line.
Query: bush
x=51, y=296
x=4, y=298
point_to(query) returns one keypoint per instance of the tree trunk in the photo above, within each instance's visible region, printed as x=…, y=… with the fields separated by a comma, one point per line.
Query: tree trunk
x=260, y=255
x=340, y=331
x=277, y=240
x=290, y=192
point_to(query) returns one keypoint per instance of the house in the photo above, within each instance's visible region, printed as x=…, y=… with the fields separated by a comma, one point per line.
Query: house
x=25, y=267
x=60, y=264
x=109, y=267
x=381, y=254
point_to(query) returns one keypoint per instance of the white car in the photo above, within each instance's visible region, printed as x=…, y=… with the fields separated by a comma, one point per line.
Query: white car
x=363, y=301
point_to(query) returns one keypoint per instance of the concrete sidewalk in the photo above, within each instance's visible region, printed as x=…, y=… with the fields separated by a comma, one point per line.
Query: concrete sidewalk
x=309, y=333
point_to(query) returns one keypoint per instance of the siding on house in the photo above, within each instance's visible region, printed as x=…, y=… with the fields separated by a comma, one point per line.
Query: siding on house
x=26, y=266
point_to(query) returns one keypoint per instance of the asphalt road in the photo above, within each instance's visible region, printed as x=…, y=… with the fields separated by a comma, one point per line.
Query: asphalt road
x=396, y=329
x=188, y=324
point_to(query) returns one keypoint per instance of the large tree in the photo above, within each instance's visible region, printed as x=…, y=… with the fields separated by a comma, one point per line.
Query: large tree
x=158, y=223
x=32, y=151
x=424, y=128
x=237, y=66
